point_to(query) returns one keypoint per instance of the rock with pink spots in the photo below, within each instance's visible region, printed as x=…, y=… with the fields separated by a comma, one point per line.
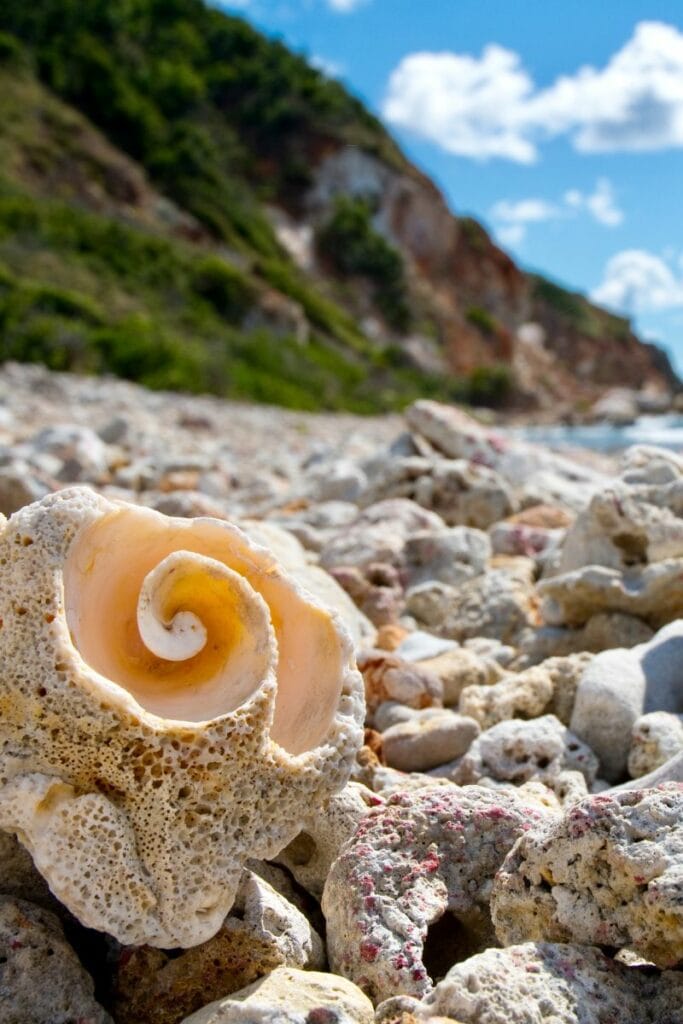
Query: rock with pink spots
x=542, y=983
x=426, y=858
x=608, y=873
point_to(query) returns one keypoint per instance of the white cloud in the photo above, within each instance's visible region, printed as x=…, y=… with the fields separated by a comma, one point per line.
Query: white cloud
x=456, y=101
x=511, y=218
x=601, y=203
x=524, y=211
x=510, y=234
x=489, y=106
x=636, y=281
x=344, y=6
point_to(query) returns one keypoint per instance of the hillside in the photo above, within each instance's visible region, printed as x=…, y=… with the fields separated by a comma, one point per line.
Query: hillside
x=186, y=203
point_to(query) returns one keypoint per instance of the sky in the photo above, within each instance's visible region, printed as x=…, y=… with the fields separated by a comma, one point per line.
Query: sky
x=557, y=123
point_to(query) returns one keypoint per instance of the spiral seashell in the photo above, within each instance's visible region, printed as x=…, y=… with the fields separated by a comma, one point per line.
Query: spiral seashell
x=171, y=704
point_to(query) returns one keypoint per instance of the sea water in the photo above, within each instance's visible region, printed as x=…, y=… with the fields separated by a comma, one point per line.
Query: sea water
x=665, y=431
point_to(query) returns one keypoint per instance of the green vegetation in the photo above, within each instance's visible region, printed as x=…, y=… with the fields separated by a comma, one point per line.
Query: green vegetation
x=208, y=105
x=481, y=319
x=94, y=279
x=351, y=245
x=581, y=314
x=167, y=314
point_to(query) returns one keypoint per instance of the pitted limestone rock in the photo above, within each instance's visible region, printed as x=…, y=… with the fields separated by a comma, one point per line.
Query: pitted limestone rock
x=518, y=751
x=379, y=534
x=543, y=983
x=652, y=593
x=548, y=688
x=426, y=853
x=656, y=737
x=609, y=872
x=460, y=668
x=496, y=604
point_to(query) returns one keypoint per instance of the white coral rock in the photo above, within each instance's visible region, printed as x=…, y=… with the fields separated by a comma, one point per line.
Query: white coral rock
x=172, y=704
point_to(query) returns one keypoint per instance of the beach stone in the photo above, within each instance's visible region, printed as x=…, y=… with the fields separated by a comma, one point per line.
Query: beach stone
x=512, y=538
x=41, y=979
x=549, y=688
x=290, y=996
x=185, y=504
x=19, y=877
x=460, y=668
x=379, y=534
x=420, y=646
x=310, y=855
x=543, y=983
x=83, y=455
x=536, y=475
x=602, y=632
x=426, y=741
x=428, y=854
x=262, y=931
x=391, y=713
x=619, y=686
x=391, y=636
x=461, y=492
x=465, y=494
x=607, y=873
x=656, y=737
x=496, y=605
x=314, y=525
x=335, y=480
x=652, y=594
x=387, y=677
x=451, y=556
x=518, y=751
x=20, y=485
x=377, y=590
x=627, y=525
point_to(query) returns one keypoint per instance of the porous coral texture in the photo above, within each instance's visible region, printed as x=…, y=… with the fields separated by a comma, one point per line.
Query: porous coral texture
x=541, y=983
x=426, y=853
x=518, y=751
x=141, y=774
x=608, y=873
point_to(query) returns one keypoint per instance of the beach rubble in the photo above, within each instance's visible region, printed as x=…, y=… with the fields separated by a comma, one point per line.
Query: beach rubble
x=499, y=841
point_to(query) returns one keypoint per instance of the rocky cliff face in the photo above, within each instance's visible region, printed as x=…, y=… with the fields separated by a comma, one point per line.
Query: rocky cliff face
x=475, y=306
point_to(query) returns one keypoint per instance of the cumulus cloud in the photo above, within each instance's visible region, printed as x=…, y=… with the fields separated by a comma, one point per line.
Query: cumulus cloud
x=489, y=106
x=511, y=218
x=601, y=203
x=457, y=101
x=637, y=281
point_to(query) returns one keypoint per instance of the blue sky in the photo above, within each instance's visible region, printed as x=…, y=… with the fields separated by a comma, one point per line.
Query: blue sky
x=559, y=124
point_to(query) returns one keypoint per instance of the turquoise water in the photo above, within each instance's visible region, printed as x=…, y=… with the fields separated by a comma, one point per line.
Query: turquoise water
x=665, y=431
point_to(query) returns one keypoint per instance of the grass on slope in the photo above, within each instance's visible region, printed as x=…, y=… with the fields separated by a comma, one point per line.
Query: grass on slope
x=86, y=293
